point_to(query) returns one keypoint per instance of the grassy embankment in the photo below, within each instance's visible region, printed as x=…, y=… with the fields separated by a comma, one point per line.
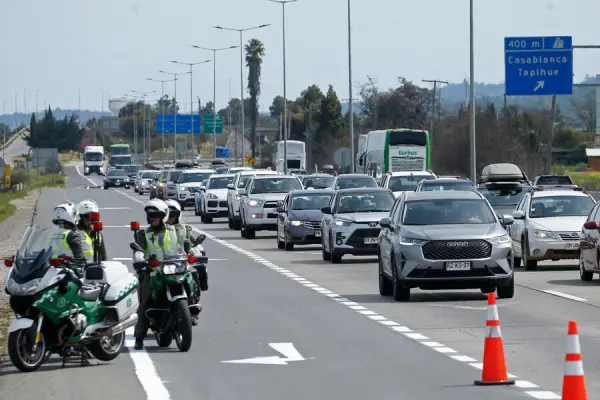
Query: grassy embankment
x=589, y=180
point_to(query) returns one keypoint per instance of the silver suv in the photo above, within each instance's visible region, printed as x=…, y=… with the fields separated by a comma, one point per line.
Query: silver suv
x=350, y=223
x=233, y=197
x=260, y=199
x=444, y=240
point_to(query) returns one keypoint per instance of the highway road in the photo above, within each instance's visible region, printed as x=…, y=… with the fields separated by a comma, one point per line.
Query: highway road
x=17, y=147
x=340, y=338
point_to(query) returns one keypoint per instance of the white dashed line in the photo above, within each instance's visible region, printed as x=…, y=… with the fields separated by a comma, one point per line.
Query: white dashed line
x=394, y=326
x=566, y=296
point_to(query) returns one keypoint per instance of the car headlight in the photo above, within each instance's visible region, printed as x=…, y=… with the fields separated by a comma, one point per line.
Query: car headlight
x=295, y=223
x=126, y=179
x=408, y=241
x=544, y=234
x=171, y=269
x=500, y=239
x=342, y=222
x=237, y=197
x=182, y=189
x=211, y=196
x=255, y=203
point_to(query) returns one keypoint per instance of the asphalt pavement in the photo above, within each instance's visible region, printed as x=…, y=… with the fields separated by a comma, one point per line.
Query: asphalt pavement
x=297, y=327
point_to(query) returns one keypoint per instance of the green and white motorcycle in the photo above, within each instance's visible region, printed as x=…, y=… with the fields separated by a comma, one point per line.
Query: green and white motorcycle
x=60, y=309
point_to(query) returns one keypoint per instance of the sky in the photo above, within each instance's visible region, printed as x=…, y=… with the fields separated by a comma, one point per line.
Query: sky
x=58, y=49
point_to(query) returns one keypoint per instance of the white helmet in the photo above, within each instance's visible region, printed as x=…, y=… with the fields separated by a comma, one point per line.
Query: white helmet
x=64, y=213
x=157, y=205
x=174, y=209
x=86, y=207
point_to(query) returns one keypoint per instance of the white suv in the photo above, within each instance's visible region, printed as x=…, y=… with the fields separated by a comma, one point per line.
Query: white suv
x=188, y=183
x=547, y=225
x=214, y=199
x=404, y=181
x=233, y=198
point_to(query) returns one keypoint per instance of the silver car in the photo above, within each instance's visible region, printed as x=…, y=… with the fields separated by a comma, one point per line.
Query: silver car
x=350, y=223
x=444, y=240
x=260, y=199
x=233, y=197
x=143, y=181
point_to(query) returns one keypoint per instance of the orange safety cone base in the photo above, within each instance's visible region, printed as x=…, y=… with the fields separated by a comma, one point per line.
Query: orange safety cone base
x=495, y=383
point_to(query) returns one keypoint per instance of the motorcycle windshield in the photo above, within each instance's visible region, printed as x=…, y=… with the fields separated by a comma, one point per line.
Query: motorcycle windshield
x=35, y=249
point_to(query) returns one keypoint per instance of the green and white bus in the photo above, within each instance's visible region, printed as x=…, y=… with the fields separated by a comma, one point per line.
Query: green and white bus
x=393, y=150
x=119, y=150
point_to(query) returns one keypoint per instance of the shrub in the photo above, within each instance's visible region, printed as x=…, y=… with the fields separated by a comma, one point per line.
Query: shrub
x=587, y=180
x=18, y=175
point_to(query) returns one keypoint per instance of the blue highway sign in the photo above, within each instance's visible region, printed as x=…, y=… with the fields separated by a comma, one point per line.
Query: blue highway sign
x=538, y=66
x=184, y=124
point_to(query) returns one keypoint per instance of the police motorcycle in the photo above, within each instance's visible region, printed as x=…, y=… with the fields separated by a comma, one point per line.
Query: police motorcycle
x=60, y=307
x=172, y=285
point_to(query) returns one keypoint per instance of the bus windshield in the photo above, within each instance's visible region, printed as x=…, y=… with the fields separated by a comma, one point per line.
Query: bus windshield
x=119, y=149
x=411, y=138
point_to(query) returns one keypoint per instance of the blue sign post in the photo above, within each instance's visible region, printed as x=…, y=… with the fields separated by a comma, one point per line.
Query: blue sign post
x=538, y=66
x=184, y=124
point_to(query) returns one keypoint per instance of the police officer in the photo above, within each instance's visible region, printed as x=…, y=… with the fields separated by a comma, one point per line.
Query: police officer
x=188, y=234
x=84, y=226
x=67, y=241
x=158, y=239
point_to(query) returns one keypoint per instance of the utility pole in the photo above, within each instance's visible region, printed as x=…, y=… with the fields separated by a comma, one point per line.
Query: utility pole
x=435, y=82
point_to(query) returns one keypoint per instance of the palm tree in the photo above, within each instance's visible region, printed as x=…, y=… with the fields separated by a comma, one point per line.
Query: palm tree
x=255, y=51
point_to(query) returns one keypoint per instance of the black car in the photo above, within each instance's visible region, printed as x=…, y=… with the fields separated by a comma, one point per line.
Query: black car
x=299, y=219
x=116, y=178
x=131, y=171
x=444, y=184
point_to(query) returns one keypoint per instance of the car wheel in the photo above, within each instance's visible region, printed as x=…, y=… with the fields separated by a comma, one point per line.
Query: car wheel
x=583, y=274
x=196, y=210
x=324, y=253
x=530, y=265
x=507, y=291
x=288, y=246
x=230, y=222
x=141, y=193
x=280, y=243
x=250, y=233
x=182, y=207
x=208, y=219
x=105, y=187
x=336, y=257
x=385, y=285
x=242, y=230
x=399, y=291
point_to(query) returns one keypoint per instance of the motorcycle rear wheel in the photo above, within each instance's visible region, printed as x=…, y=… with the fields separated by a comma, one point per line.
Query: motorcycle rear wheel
x=182, y=325
x=107, y=349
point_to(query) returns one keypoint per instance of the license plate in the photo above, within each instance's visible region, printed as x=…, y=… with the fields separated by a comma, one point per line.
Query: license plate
x=371, y=240
x=572, y=246
x=118, y=183
x=458, y=266
x=318, y=233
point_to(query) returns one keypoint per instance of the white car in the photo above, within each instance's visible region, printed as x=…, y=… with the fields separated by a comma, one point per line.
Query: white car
x=234, y=170
x=143, y=181
x=404, y=181
x=547, y=225
x=233, y=198
x=213, y=202
x=188, y=183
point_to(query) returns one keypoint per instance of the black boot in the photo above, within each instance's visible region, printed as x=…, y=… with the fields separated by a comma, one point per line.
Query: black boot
x=139, y=344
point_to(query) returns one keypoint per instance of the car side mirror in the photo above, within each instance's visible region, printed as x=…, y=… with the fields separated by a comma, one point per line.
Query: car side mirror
x=507, y=220
x=326, y=210
x=242, y=192
x=230, y=186
x=202, y=188
x=280, y=209
x=386, y=223
x=518, y=215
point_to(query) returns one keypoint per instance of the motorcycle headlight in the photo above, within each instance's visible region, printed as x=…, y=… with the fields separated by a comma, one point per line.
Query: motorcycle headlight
x=342, y=222
x=24, y=289
x=211, y=196
x=255, y=203
x=295, y=223
x=172, y=269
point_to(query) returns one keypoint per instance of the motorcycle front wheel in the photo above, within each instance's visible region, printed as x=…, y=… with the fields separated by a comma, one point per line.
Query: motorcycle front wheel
x=21, y=353
x=182, y=325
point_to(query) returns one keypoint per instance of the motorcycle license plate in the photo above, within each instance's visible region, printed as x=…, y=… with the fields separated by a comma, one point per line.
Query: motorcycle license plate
x=318, y=233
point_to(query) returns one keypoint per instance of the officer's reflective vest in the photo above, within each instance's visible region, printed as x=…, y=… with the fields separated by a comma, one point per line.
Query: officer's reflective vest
x=60, y=246
x=87, y=245
x=170, y=246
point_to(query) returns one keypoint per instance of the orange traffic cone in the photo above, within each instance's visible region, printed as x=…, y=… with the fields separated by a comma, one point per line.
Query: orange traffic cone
x=573, y=381
x=494, y=366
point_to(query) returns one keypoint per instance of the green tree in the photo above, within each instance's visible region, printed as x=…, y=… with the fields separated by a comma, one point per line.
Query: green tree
x=331, y=119
x=255, y=51
x=50, y=133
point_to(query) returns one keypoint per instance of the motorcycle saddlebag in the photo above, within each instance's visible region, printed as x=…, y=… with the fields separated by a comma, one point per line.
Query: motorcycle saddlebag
x=123, y=297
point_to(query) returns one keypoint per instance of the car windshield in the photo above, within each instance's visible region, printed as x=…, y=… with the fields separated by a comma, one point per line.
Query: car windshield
x=93, y=156
x=275, y=185
x=148, y=175
x=310, y=201
x=194, y=177
x=351, y=183
x=221, y=170
x=554, y=180
x=243, y=180
x=447, y=212
x=503, y=195
x=365, y=202
x=433, y=187
x=406, y=183
x=320, y=182
x=117, y=172
x=174, y=176
x=219, y=182
x=35, y=248
x=560, y=206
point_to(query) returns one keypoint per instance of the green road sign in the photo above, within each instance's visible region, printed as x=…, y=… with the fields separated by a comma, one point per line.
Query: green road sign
x=209, y=124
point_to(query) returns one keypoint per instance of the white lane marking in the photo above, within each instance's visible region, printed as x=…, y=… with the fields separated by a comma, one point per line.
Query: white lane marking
x=129, y=259
x=565, y=295
x=142, y=363
x=85, y=177
x=146, y=372
x=404, y=330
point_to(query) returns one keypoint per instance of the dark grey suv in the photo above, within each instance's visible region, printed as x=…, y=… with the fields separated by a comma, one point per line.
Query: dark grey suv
x=444, y=240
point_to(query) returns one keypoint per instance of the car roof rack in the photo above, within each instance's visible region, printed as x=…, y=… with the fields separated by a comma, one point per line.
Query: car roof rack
x=503, y=172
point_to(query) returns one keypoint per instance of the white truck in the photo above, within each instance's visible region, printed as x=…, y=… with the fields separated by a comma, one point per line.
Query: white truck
x=93, y=160
x=296, y=155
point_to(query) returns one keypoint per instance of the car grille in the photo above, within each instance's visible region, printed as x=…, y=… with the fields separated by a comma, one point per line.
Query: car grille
x=270, y=204
x=212, y=203
x=569, y=235
x=223, y=204
x=440, y=250
x=357, y=239
x=312, y=224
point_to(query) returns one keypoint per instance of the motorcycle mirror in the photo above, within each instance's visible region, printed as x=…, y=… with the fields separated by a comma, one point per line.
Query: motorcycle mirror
x=134, y=226
x=135, y=247
x=8, y=261
x=201, y=238
x=97, y=226
x=95, y=216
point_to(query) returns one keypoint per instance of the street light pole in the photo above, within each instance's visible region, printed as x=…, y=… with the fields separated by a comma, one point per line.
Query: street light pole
x=472, y=96
x=214, y=51
x=175, y=79
x=145, y=134
x=162, y=110
x=241, y=32
x=37, y=96
x=351, y=106
x=285, y=130
x=191, y=65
